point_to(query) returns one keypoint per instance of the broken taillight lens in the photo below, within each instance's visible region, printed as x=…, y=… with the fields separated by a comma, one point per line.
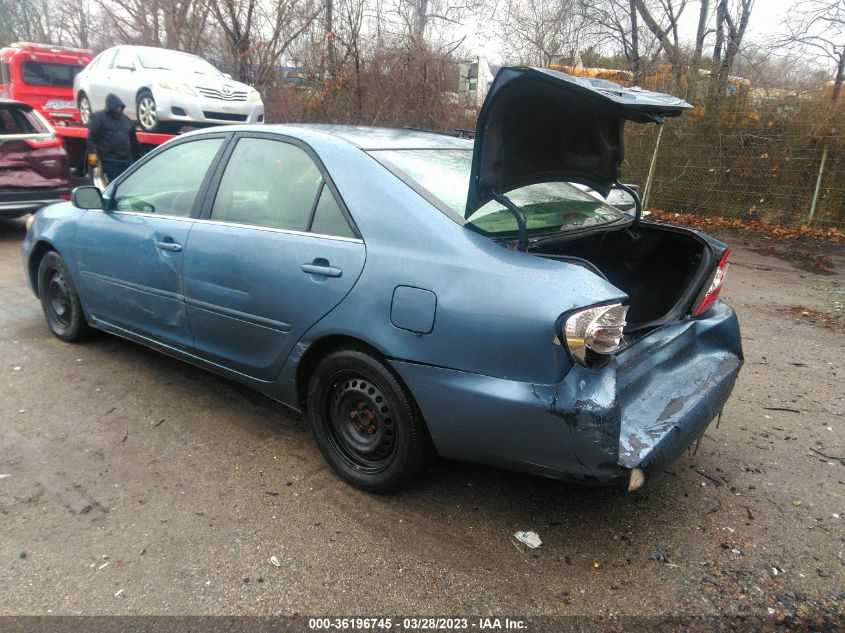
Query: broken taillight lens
x=715, y=286
x=42, y=143
x=598, y=329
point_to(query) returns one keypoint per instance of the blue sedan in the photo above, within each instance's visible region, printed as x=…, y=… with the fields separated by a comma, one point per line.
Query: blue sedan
x=417, y=294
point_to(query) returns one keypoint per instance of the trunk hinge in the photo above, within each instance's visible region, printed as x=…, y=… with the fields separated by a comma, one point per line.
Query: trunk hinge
x=638, y=204
x=518, y=214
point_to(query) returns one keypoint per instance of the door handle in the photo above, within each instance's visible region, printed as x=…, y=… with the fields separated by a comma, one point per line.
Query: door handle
x=325, y=271
x=169, y=246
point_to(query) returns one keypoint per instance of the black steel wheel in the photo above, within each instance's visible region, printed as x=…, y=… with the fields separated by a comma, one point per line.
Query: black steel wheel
x=59, y=300
x=366, y=423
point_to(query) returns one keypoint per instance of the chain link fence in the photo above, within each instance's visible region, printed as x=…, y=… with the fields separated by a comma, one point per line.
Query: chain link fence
x=782, y=165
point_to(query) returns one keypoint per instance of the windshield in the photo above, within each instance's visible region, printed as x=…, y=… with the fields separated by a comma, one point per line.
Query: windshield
x=170, y=60
x=548, y=207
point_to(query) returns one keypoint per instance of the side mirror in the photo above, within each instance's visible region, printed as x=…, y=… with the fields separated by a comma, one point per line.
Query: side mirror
x=227, y=75
x=125, y=66
x=86, y=198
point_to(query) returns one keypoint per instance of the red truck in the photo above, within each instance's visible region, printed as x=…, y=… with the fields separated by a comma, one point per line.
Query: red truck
x=41, y=75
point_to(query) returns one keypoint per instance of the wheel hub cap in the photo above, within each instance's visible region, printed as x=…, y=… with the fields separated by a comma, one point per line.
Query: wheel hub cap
x=362, y=422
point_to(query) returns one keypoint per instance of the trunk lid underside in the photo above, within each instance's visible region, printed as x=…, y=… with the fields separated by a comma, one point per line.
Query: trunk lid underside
x=539, y=125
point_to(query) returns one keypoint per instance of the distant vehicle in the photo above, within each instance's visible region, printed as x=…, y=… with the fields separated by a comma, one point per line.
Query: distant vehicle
x=33, y=164
x=165, y=90
x=42, y=75
x=414, y=291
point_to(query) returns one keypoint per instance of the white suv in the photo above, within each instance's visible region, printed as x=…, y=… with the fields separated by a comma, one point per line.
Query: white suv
x=164, y=89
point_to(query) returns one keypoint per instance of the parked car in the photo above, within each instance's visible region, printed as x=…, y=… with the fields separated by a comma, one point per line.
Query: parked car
x=164, y=90
x=381, y=281
x=33, y=164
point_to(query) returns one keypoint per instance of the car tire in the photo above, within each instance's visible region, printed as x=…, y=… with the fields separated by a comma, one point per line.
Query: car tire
x=366, y=423
x=59, y=300
x=145, y=112
x=83, y=104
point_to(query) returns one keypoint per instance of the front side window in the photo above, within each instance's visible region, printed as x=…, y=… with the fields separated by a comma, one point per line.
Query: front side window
x=168, y=183
x=276, y=185
x=548, y=207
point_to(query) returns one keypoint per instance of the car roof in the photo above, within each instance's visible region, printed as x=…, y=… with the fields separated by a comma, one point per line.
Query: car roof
x=15, y=104
x=136, y=47
x=374, y=138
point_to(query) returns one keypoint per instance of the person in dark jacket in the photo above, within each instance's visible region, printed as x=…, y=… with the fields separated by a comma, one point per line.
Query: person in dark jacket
x=111, y=138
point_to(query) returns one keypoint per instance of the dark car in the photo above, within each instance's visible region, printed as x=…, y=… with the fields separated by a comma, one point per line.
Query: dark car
x=34, y=169
x=415, y=292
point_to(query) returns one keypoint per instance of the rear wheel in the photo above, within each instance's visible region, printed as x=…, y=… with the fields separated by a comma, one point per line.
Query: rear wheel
x=59, y=300
x=84, y=107
x=366, y=422
x=145, y=109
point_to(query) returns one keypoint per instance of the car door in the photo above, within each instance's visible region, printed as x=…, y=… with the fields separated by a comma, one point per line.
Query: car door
x=274, y=252
x=99, y=78
x=130, y=256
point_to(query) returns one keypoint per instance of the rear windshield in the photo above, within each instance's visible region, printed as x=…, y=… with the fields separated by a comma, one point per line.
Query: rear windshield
x=548, y=207
x=15, y=121
x=49, y=74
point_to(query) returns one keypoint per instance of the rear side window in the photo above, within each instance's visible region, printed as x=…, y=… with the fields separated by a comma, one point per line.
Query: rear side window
x=16, y=121
x=169, y=182
x=328, y=218
x=276, y=185
x=49, y=74
x=125, y=59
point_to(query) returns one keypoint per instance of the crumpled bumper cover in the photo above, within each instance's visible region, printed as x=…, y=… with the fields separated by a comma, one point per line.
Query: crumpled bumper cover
x=640, y=409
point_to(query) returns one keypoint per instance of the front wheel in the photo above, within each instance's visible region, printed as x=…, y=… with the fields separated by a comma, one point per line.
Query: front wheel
x=145, y=108
x=366, y=423
x=59, y=300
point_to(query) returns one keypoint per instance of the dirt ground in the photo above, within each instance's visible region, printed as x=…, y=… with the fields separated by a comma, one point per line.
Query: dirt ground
x=131, y=483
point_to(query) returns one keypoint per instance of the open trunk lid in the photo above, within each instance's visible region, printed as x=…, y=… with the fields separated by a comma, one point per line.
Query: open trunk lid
x=540, y=125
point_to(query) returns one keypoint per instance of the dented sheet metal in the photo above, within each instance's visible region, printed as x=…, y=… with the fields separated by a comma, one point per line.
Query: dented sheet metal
x=642, y=408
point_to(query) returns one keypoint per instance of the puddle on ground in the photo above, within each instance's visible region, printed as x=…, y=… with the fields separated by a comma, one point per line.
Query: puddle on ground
x=808, y=262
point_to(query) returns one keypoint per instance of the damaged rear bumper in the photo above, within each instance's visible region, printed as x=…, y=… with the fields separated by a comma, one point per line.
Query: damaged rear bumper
x=636, y=412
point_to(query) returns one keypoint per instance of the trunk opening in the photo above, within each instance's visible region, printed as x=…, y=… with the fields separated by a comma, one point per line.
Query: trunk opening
x=660, y=268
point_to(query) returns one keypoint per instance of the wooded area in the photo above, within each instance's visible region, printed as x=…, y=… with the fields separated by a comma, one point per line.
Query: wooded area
x=764, y=137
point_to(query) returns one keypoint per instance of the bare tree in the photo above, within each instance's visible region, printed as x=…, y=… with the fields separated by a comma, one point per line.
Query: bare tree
x=662, y=18
x=731, y=23
x=618, y=20
x=818, y=27
x=259, y=34
x=536, y=31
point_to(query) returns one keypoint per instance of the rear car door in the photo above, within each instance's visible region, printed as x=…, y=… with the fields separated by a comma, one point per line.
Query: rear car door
x=274, y=252
x=130, y=256
x=99, y=79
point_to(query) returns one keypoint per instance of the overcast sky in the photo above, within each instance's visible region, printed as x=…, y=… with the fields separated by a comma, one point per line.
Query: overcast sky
x=767, y=18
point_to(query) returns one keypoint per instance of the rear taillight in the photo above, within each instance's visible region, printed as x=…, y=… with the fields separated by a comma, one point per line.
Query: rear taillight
x=43, y=143
x=715, y=286
x=64, y=196
x=598, y=329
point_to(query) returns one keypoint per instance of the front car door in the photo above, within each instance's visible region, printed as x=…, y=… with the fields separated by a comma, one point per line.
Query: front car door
x=130, y=256
x=273, y=253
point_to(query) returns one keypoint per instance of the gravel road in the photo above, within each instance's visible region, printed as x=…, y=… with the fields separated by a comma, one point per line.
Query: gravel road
x=131, y=483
